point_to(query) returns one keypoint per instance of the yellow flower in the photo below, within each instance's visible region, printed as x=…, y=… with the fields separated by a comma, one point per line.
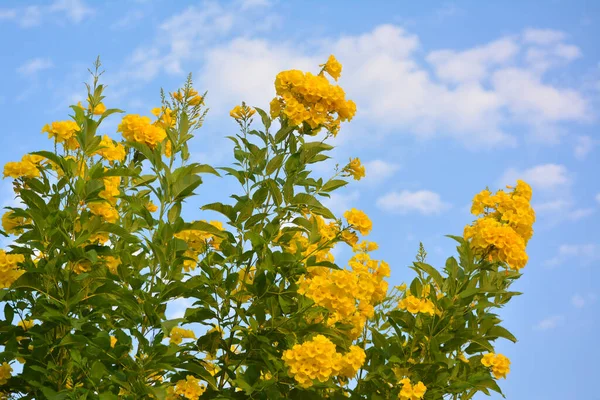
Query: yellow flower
x=82, y=266
x=311, y=99
x=105, y=211
x=113, y=341
x=333, y=67
x=26, y=168
x=9, y=268
x=499, y=363
x=178, y=334
x=462, y=358
x=63, y=132
x=140, y=129
x=411, y=392
x=242, y=112
x=111, y=151
x=359, y=220
x=150, y=206
x=13, y=225
x=355, y=169
x=504, y=226
x=177, y=96
x=98, y=110
x=275, y=107
x=5, y=373
x=410, y=303
x=190, y=388
x=112, y=263
x=318, y=359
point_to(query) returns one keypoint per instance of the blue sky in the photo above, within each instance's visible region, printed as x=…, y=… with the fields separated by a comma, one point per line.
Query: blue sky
x=452, y=97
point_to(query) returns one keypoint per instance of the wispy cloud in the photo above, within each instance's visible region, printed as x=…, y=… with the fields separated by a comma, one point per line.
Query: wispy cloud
x=378, y=171
x=32, y=67
x=423, y=202
x=584, y=254
x=549, y=323
x=546, y=177
x=29, y=16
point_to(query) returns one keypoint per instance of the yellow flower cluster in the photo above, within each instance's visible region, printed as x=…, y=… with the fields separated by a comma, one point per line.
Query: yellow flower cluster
x=242, y=112
x=166, y=118
x=504, y=226
x=499, y=363
x=304, y=97
x=9, y=268
x=178, y=334
x=111, y=189
x=190, y=388
x=333, y=67
x=81, y=266
x=5, y=371
x=104, y=210
x=355, y=169
x=321, y=249
x=318, y=359
x=193, y=98
x=63, y=132
x=349, y=295
x=112, y=263
x=12, y=224
x=197, y=242
x=410, y=391
x=27, y=167
x=415, y=305
x=359, y=220
x=110, y=150
x=141, y=130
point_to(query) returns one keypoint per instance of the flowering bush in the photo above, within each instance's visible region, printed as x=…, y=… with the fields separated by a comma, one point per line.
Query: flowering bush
x=100, y=249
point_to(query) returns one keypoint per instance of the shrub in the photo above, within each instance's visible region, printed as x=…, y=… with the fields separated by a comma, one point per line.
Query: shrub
x=100, y=250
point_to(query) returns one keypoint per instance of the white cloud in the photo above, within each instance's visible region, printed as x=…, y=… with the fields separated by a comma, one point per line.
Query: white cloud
x=584, y=254
x=228, y=82
x=250, y=4
x=379, y=170
x=549, y=323
x=583, y=146
x=543, y=36
x=578, y=301
x=562, y=209
x=472, y=65
x=423, y=201
x=128, y=20
x=29, y=16
x=8, y=14
x=32, y=67
x=546, y=177
x=75, y=10
x=472, y=96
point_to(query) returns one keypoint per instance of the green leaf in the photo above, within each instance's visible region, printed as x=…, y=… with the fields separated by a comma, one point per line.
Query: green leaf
x=498, y=331
x=265, y=118
x=333, y=184
x=206, y=227
x=275, y=163
x=283, y=133
x=314, y=204
x=434, y=273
